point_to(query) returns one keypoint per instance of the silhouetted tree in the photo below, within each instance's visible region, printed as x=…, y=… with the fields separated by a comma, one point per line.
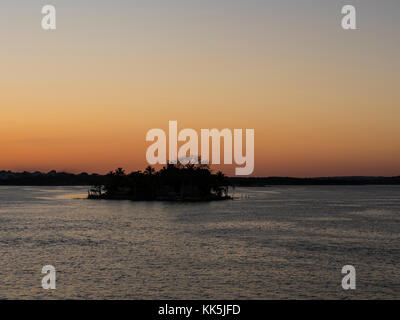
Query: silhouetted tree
x=172, y=182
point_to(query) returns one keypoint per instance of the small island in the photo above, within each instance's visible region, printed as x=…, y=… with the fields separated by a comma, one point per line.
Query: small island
x=174, y=182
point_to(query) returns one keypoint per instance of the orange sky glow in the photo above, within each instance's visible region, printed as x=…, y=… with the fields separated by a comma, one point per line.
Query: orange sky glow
x=322, y=101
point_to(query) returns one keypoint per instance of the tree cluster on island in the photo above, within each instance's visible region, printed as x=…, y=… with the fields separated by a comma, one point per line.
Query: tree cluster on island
x=174, y=182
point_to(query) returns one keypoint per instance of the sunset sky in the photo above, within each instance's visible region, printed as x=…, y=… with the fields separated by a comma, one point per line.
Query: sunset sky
x=323, y=101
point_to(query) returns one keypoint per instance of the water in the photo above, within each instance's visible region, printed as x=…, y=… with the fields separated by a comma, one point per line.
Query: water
x=272, y=243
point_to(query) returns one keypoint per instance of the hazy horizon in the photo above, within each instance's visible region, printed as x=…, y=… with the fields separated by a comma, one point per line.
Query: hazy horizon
x=211, y=167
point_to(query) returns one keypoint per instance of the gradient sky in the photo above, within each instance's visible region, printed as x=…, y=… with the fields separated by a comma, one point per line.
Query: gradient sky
x=323, y=101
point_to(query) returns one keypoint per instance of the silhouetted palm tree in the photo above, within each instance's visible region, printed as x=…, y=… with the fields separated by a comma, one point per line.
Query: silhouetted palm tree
x=119, y=172
x=149, y=170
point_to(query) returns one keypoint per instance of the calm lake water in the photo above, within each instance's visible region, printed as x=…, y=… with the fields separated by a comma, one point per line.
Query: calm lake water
x=271, y=243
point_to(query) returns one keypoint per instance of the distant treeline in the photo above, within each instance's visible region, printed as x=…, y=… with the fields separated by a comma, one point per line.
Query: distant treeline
x=54, y=178
x=51, y=178
x=254, y=182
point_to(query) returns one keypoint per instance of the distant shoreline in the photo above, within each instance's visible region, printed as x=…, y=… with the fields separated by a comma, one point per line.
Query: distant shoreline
x=53, y=178
x=273, y=181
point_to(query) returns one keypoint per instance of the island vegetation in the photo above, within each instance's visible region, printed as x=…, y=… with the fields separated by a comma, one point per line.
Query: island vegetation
x=174, y=182
x=54, y=178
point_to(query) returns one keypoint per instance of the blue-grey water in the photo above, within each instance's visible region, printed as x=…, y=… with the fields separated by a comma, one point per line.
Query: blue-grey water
x=270, y=243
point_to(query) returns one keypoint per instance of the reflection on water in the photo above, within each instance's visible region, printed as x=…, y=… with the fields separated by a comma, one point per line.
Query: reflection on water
x=276, y=242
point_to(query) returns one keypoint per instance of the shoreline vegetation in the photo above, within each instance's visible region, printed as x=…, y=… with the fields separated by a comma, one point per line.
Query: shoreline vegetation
x=174, y=182
x=54, y=178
